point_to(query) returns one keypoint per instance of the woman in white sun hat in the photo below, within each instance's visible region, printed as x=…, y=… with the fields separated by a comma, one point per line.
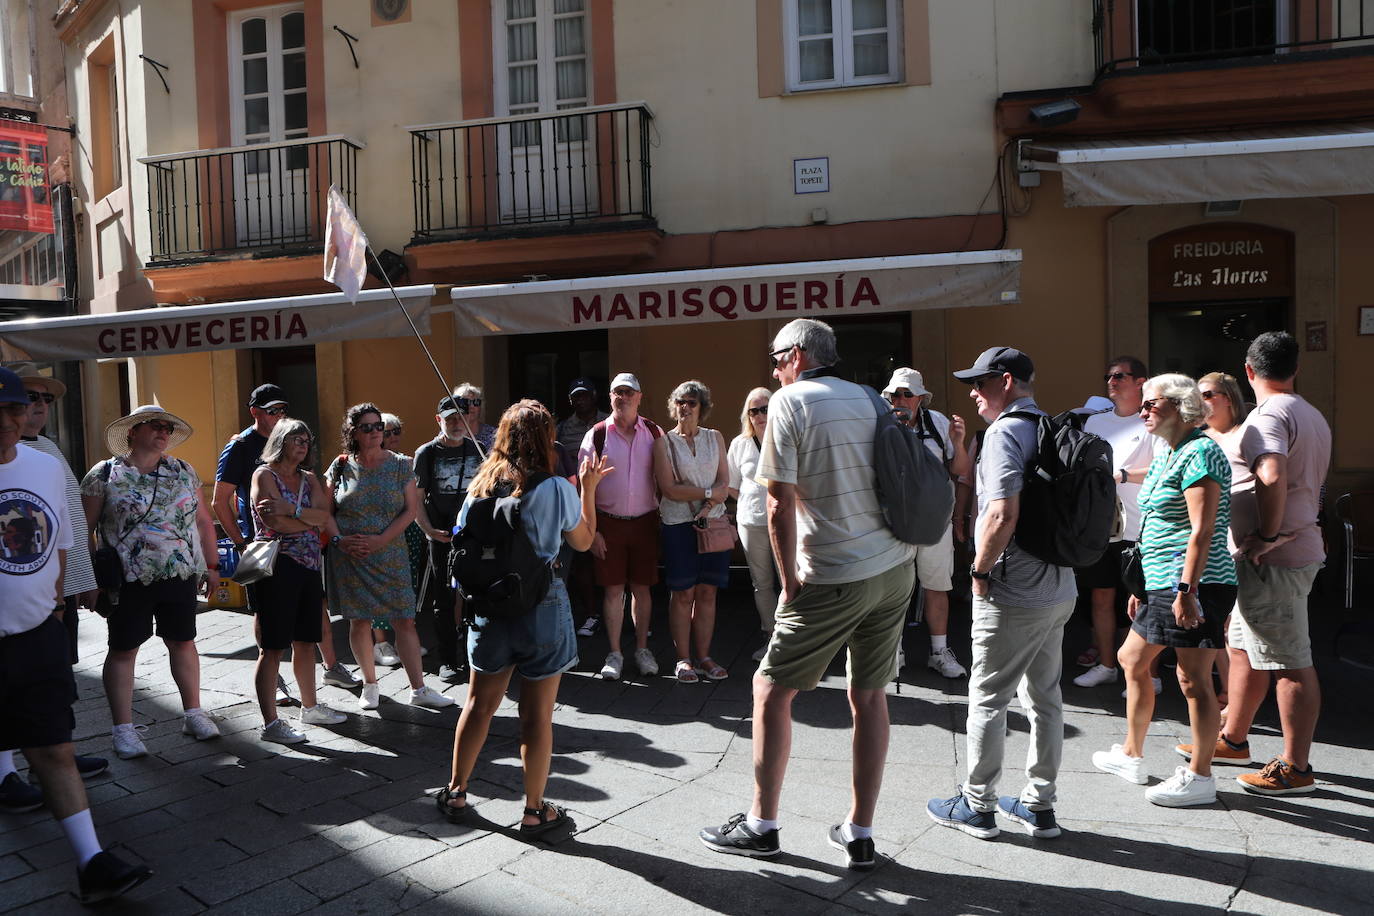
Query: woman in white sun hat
x=147, y=506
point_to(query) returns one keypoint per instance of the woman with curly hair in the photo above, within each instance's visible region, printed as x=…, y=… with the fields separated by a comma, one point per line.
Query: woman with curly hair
x=367, y=572
x=540, y=645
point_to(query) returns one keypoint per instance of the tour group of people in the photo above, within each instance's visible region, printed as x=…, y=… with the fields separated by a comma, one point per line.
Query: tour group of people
x=1218, y=504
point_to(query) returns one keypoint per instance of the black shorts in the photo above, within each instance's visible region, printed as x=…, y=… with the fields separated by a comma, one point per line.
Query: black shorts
x=171, y=602
x=287, y=605
x=1106, y=572
x=1156, y=625
x=36, y=688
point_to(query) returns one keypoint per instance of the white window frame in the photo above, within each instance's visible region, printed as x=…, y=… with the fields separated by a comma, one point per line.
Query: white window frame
x=276, y=93
x=842, y=16
x=27, y=45
x=546, y=62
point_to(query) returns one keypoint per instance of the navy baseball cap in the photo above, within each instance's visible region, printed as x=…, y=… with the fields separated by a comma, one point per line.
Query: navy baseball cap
x=12, y=388
x=995, y=361
x=581, y=384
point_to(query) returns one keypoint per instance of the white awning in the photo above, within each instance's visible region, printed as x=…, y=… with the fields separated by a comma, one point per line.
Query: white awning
x=289, y=321
x=808, y=289
x=1325, y=161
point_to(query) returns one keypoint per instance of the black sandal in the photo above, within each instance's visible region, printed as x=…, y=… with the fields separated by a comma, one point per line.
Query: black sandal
x=452, y=814
x=545, y=825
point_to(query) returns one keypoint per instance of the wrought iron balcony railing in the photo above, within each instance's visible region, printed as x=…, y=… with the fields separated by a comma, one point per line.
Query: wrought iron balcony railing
x=1146, y=33
x=581, y=166
x=268, y=196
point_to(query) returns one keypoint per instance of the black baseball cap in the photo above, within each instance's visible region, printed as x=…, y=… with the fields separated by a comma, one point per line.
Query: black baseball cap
x=995, y=361
x=447, y=408
x=581, y=384
x=266, y=396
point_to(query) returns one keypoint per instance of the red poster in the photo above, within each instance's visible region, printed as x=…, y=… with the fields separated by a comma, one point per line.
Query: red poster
x=25, y=199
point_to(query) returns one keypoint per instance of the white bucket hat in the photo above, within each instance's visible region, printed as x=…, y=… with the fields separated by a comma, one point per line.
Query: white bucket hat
x=117, y=433
x=909, y=379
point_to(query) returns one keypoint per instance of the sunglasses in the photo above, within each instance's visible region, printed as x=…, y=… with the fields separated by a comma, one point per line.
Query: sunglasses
x=624, y=392
x=978, y=383
x=279, y=411
x=755, y=411
x=1208, y=395
x=903, y=393
x=377, y=427
x=773, y=357
x=1153, y=404
x=302, y=441
x=47, y=397
x=1116, y=376
x=391, y=432
x=686, y=402
x=160, y=426
x=474, y=402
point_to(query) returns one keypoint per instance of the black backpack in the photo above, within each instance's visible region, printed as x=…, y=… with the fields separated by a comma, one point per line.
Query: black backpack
x=492, y=559
x=913, y=485
x=1068, y=501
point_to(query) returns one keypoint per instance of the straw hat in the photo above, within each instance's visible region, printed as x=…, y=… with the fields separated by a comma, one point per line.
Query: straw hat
x=28, y=372
x=117, y=433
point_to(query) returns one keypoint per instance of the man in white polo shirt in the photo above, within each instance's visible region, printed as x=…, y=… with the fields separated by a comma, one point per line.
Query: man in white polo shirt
x=845, y=580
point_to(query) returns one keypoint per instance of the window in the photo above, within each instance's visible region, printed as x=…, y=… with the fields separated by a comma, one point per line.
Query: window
x=267, y=64
x=16, y=48
x=107, y=164
x=831, y=43
x=543, y=47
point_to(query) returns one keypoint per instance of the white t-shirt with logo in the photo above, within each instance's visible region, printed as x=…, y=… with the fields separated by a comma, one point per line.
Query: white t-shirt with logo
x=34, y=526
x=1132, y=447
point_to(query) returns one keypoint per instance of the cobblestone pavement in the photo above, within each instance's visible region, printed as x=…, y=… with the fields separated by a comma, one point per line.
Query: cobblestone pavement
x=343, y=824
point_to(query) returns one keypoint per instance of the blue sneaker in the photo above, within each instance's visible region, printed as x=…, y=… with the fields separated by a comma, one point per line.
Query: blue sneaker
x=1039, y=824
x=955, y=812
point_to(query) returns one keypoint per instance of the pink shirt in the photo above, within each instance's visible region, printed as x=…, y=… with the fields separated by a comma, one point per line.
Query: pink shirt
x=629, y=491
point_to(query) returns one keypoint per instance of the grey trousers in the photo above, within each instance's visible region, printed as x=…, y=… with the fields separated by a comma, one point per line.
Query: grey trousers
x=1016, y=650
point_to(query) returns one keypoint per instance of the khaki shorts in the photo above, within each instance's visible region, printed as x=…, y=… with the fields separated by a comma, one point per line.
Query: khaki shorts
x=868, y=615
x=1270, y=620
x=935, y=564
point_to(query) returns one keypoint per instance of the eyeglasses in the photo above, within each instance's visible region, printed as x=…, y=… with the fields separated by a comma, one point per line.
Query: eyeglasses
x=158, y=426
x=302, y=441
x=773, y=357
x=1153, y=404
x=756, y=411
x=278, y=411
x=1116, y=376
x=388, y=433
x=1208, y=395
x=686, y=402
x=377, y=427
x=47, y=397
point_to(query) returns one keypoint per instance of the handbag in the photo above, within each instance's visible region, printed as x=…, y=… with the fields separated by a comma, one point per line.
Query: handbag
x=713, y=534
x=258, y=559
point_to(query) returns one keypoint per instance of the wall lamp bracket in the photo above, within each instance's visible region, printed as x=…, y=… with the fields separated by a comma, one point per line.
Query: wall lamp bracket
x=350, y=39
x=158, y=68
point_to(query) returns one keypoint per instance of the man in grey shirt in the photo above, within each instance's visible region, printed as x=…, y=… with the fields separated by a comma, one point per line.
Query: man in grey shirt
x=1020, y=606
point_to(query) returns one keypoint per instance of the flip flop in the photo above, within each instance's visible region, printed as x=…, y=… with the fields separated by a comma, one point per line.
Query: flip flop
x=685, y=672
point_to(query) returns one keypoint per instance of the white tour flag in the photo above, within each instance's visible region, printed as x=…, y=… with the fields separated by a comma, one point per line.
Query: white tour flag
x=345, y=247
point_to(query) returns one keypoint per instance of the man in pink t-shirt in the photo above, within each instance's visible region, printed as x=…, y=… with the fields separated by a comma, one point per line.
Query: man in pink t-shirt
x=625, y=550
x=1286, y=444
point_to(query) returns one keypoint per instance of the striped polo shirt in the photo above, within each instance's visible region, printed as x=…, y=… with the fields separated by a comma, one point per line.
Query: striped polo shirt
x=1164, y=533
x=820, y=437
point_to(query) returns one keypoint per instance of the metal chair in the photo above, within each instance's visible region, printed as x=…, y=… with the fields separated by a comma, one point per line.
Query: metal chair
x=1356, y=514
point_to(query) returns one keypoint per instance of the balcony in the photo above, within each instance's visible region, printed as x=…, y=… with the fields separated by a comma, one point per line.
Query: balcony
x=586, y=170
x=264, y=199
x=1155, y=33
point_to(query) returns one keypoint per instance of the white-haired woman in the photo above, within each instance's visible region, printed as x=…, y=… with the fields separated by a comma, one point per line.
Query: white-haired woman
x=1190, y=582
x=751, y=499
x=693, y=480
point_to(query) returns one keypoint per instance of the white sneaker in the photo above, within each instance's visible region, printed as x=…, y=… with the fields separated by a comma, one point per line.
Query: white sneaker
x=338, y=676
x=320, y=714
x=430, y=698
x=1119, y=763
x=645, y=662
x=615, y=663
x=946, y=663
x=384, y=654
x=128, y=744
x=1182, y=789
x=370, y=697
x=278, y=732
x=1156, y=682
x=199, y=724
x=1096, y=676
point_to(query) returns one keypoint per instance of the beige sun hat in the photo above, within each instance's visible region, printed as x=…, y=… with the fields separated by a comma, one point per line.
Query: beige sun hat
x=117, y=433
x=28, y=372
x=909, y=379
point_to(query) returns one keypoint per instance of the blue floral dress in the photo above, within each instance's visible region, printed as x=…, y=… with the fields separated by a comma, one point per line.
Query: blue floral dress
x=366, y=501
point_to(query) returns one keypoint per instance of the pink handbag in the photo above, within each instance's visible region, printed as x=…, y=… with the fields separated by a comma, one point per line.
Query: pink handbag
x=713, y=534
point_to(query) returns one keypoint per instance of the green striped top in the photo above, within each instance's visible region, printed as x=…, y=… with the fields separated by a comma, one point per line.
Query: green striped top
x=1164, y=532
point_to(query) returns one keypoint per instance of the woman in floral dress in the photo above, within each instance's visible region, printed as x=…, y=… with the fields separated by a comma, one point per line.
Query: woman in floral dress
x=367, y=572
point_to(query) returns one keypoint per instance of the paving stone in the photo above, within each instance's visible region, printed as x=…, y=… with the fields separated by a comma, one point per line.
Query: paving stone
x=12, y=866
x=279, y=898
x=256, y=874
x=343, y=874
x=453, y=867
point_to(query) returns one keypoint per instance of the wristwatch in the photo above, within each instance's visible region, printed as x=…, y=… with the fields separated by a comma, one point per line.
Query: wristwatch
x=1121, y=476
x=980, y=576
x=1184, y=588
x=334, y=541
x=1265, y=539
x=708, y=493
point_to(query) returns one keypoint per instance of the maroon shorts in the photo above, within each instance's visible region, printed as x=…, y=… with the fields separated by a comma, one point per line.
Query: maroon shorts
x=631, y=550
